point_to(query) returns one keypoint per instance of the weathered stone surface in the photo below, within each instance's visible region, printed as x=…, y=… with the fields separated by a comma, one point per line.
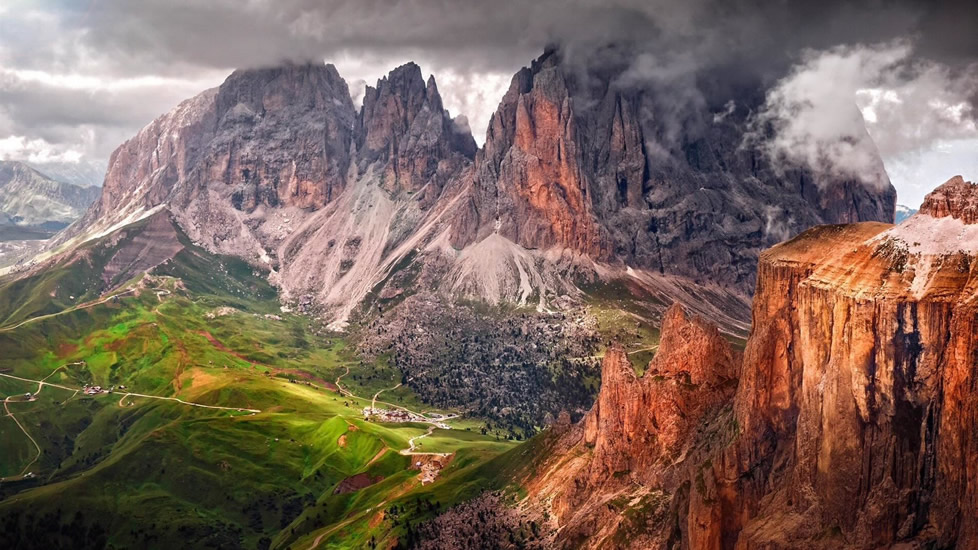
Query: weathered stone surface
x=276, y=138
x=853, y=420
x=853, y=403
x=956, y=198
x=404, y=125
x=576, y=159
x=634, y=443
x=582, y=178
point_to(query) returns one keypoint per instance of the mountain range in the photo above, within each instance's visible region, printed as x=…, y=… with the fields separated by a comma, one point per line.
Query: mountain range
x=578, y=181
x=620, y=323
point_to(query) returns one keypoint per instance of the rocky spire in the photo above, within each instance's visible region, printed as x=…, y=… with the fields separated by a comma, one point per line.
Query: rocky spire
x=404, y=124
x=635, y=420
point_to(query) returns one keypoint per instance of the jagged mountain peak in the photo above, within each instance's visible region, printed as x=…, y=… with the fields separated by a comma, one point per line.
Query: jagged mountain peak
x=571, y=177
x=404, y=124
x=956, y=198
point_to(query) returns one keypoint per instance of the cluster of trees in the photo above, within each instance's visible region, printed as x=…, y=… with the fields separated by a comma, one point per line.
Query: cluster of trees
x=517, y=368
x=481, y=523
x=51, y=530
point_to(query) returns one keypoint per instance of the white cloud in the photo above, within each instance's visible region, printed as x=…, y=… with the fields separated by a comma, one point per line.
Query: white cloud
x=36, y=150
x=92, y=83
x=904, y=105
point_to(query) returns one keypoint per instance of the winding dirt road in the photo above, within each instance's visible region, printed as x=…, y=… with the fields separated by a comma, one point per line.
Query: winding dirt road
x=373, y=402
x=41, y=383
x=23, y=472
x=86, y=305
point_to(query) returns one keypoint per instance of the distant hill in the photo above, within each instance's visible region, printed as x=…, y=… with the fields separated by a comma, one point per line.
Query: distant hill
x=82, y=173
x=33, y=205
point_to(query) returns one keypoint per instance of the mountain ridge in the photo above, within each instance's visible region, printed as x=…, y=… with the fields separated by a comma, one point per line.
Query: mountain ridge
x=29, y=198
x=277, y=167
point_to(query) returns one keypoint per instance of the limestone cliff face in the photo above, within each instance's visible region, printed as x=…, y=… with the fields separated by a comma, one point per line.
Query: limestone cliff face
x=955, y=199
x=637, y=420
x=275, y=138
x=530, y=186
x=633, y=446
x=285, y=134
x=581, y=156
x=585, y=176
x=856, y=402
x=852, y=423
x=275, y=166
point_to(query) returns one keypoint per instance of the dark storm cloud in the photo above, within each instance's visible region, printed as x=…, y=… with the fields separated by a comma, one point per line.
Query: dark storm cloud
x=475, y=44
x=165, y=36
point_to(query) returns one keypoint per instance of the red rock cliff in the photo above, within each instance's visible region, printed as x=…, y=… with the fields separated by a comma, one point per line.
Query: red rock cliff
x=852, y=424
x=634, y=443
x=857, y=405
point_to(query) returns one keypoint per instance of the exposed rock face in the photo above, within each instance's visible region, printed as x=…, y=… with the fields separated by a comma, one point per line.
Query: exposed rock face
x=530, y=186
x=28, y=198
x=857, y=402
x=634, y=443
x=853, y=421
x=956, y=199
x=595, y=164
x=637, y=420
x=583, y=178
x=285, y=134
x=275, y=166
x=142, y=248
x=267, y=138
x=404, y=125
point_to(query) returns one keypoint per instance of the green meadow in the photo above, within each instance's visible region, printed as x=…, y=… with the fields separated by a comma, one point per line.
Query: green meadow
x=122, y=471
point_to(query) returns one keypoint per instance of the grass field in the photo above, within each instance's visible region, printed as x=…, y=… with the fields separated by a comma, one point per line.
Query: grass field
x=121, y=471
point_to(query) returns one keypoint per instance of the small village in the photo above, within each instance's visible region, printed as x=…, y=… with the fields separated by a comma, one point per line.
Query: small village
x=402, y=415
x=96, y=390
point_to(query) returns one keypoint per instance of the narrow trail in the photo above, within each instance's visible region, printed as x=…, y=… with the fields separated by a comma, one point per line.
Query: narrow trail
x=655, y=347
x=373, y=402
x=191, y=404
x=37, y=457
x=340, y=387
x=40, y=386
x=39, y=383
x=86, y=305
x=410, y=451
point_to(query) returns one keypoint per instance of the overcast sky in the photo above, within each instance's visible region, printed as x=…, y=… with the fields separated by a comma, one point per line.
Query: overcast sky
x=79, y=77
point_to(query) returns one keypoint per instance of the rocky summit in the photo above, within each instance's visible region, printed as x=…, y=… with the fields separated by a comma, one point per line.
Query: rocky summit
x=579, y=181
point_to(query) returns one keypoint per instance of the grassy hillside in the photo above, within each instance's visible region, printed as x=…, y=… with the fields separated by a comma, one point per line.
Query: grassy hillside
x=239, y=436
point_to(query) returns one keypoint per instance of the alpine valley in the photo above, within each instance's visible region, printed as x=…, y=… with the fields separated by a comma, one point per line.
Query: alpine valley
x=291, y=322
